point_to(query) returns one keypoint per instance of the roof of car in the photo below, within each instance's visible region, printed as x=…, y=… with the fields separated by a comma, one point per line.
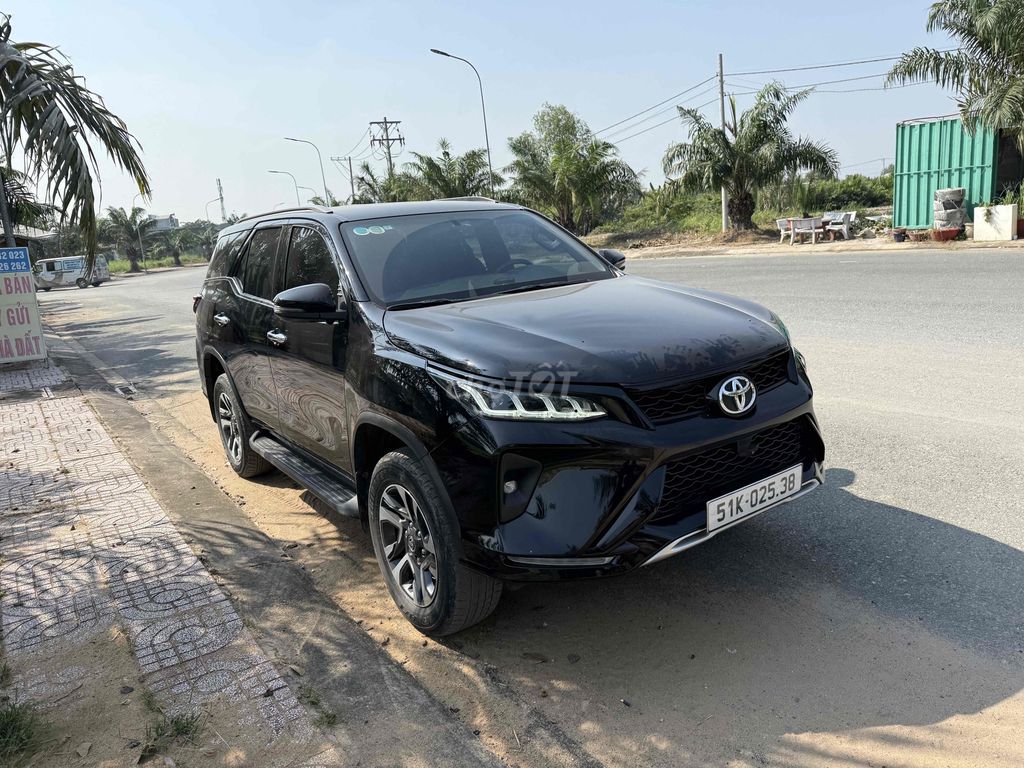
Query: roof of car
x=363, y=211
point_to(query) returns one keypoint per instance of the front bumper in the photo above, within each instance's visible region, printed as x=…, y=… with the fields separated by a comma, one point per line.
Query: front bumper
x=609, y=497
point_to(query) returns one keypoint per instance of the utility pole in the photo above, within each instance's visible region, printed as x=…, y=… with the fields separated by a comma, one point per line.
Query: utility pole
x=721, y=109
x=220, y=194
x=385, y=134
x=351, y=177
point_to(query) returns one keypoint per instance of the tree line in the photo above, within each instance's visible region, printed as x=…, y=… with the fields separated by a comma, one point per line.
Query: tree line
x=58, y=127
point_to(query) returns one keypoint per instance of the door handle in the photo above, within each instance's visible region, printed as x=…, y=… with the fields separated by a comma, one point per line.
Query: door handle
x=221, y=319
x=276, y=337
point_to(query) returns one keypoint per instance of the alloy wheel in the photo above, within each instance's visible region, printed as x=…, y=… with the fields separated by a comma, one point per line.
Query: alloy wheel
x=230, y=433
x=409, y=544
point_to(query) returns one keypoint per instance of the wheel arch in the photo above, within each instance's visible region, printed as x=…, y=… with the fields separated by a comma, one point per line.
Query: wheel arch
x=213, y=367
x=376, y=435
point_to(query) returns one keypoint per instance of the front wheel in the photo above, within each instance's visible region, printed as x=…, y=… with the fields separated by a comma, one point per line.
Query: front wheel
x=81, y=282
x=416, y=541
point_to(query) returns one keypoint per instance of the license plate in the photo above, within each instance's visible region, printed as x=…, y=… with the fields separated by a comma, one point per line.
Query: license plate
x=734, y=506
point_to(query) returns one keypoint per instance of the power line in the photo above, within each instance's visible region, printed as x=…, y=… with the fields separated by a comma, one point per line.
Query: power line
x=825, y=66
x=661, y=112
x=358, y=144
x=655, y=106
x=813, y=66
x=664, y=122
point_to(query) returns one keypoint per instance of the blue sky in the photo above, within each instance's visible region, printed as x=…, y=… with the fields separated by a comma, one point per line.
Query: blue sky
x=211, y=88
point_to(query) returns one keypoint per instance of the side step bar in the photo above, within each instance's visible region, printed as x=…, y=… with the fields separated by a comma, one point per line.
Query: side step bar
x=324, y=486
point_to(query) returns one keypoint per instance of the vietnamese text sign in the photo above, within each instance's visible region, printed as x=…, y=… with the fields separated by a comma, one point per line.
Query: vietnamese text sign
x=21, y=333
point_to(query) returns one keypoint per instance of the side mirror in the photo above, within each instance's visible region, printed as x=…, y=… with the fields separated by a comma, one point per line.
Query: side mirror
x=616, y=258
x=315, y=301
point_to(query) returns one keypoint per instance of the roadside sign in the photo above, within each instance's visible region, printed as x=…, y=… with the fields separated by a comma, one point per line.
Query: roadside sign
x=21, y=332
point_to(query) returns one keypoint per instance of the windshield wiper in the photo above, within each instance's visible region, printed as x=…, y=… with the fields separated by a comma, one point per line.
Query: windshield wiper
x=421, y=303
x=534, y=287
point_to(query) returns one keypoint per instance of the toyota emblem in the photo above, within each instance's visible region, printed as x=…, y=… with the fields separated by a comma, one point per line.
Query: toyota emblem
x=736, y=395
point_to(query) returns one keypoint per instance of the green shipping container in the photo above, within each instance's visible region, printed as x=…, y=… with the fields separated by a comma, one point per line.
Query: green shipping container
x=939, y=154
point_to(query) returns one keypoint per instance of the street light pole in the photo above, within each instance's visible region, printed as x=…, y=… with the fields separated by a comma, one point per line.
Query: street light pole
x=286, y=173
x=483, y=109
x=138, y=232
x=323, y=176
x=208, y=207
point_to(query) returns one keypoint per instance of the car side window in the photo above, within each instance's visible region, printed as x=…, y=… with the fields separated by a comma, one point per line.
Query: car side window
x=225, y=253
x=256, y=270
x=309, y=260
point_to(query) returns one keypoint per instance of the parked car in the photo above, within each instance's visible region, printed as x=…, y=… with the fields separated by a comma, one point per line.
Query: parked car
x=495, y=400
x=54, y=273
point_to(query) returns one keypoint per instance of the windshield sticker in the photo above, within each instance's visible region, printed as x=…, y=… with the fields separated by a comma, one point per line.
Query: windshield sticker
x=376, y=229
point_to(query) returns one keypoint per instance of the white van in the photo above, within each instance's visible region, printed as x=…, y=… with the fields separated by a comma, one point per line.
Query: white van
x=54, y=273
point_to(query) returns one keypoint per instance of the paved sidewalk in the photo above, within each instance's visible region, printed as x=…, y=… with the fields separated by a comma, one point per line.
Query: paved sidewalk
x=89, y=557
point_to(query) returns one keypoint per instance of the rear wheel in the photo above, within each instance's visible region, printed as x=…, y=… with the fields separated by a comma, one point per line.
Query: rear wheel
x=415, y=538
x=81, y=282
x=235, y=430
x=96, y=283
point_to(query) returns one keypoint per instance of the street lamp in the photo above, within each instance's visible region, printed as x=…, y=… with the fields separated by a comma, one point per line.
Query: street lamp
x=138, y=231
x=323, y=176
x=309, y=189
x=286, y=173
x=208, y=207
x=483, y=108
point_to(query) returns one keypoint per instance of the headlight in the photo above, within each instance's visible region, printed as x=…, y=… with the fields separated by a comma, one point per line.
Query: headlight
x=498, y=403
x=781, y=326
x=800, y=359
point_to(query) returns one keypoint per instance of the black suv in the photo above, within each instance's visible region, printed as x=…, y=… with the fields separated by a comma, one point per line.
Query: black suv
x=495, y=400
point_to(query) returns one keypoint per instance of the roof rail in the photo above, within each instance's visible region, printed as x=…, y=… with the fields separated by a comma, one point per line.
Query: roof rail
x=473, y=199
x=317, y=208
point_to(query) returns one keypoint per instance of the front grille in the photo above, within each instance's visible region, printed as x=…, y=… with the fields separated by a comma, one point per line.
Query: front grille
x=681, y=401
x=692, y=480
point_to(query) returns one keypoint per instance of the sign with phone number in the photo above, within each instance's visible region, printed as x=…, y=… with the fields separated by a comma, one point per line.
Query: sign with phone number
x=21, y=333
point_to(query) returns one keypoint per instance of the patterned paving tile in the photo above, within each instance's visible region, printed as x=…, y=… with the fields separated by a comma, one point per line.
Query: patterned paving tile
x=86, y=546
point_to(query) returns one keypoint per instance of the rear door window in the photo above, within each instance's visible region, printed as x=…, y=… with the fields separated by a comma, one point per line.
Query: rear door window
x=256, y=270
x=309, y=260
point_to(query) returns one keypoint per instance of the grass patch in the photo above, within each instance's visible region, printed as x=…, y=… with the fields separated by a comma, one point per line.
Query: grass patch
x=21, y=733
x=166, y=731
x=120, y=266
x=325, y=718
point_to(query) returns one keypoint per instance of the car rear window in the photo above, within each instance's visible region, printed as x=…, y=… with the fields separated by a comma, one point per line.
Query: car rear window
x=225, y=253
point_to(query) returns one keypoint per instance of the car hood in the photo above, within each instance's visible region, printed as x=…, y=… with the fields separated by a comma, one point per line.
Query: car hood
x=625, y=330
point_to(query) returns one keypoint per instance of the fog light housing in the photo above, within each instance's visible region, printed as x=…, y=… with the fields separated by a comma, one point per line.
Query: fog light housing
x=518, y=478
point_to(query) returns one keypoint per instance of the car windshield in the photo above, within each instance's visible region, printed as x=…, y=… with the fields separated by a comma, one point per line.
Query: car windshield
x=439, y=257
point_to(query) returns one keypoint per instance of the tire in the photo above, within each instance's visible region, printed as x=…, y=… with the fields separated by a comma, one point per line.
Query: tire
x=461, y=597
x=96, y=284
x=47, y=289
x=235, y=430
x=81, y=282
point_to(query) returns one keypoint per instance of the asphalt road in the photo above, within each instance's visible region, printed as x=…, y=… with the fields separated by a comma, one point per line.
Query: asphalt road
x=880, y=619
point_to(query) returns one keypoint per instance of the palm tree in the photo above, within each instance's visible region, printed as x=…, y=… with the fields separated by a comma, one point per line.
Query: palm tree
x=754, y=151
x=563, y=170
x=330, y=203
x=125, y=231
x=987, y=67
x=23, y=207
x=174, y=242
x=449, y=175
x=371, y=188
x=59, y=127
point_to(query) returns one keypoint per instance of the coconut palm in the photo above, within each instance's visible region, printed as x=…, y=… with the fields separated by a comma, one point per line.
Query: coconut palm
x=986, y=69
x=449, y=175
x=563, y=170
x=59, y=126
x=125, y=231
x=754, y=151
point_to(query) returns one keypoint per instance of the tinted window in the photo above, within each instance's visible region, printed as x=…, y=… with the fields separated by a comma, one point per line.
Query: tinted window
x=309, y=260
x=225, y=253
x=465, y=255
x=257, y=268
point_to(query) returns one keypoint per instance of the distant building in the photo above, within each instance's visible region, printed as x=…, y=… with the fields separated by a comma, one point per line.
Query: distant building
x=163, y=223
